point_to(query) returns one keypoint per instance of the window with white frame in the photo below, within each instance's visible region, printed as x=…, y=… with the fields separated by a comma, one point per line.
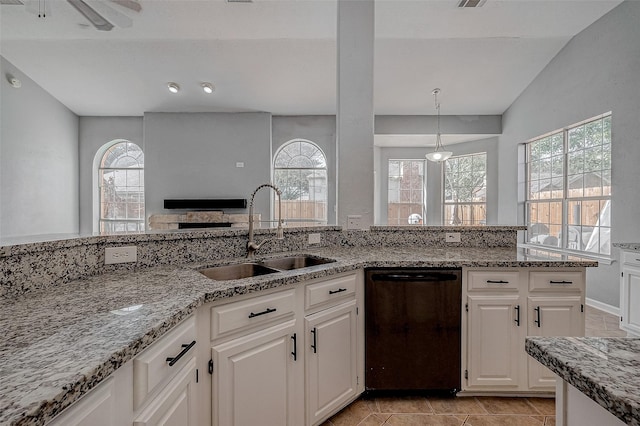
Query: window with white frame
x=568, y=187
x=465, y=190
x=121, y=189
x=300, y=172
x=406, y=192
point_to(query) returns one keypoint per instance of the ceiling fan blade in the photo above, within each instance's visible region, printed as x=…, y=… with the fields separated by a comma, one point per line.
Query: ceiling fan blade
x=92, y=16
x=110, y=14
x=129, y=4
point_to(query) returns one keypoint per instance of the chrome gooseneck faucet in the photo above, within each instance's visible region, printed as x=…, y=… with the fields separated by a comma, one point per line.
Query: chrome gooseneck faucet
x=252, y=246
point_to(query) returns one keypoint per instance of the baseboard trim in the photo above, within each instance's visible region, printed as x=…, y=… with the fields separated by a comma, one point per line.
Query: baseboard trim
x=610, y=309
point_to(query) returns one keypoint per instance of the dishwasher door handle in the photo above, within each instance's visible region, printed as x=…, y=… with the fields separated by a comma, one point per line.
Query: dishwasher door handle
x=415, y=277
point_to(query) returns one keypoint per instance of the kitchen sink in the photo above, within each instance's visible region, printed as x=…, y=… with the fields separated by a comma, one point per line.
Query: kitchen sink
x=294, y=262
x=266, y=266
x=237, y=271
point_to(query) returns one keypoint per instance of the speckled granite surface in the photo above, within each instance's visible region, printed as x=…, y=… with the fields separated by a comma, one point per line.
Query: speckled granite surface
x=607, y=370
x=627, y=246
x=58, y=343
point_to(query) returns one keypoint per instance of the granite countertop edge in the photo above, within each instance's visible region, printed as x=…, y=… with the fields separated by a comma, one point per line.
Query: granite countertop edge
x=575, y=367
x=195, y=290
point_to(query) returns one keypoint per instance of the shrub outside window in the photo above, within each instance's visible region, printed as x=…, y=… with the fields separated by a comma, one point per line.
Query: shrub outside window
x=465, y=190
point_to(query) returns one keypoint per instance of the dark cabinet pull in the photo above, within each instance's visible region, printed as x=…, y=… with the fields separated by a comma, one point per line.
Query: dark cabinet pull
x=173, y=360
x=315, y=341
x=561, y=282
x=266, y=311
x=517, y=308
x=537, y=320
x=340, y=290
x=295, y=347
x=497, y=282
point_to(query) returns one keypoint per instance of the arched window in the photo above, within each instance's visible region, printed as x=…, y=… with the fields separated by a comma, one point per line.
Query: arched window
x=300, y=171
x=121, y=188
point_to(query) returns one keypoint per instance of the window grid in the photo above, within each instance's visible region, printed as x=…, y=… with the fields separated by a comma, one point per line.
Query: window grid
x=300, y=172
x=406, y=192
x=121, y=189
x=465, y=190
x=568, y=206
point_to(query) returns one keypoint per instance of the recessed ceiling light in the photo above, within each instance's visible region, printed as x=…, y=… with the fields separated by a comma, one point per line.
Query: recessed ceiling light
x=207, y=87
x=173, y=87
x=13, y=81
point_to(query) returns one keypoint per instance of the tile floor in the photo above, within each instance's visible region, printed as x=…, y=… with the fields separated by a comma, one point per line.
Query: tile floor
x=467, y=411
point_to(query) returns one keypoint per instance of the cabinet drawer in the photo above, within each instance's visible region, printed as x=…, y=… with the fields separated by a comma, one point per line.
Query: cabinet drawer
x=324, y=292
x=151, y=367
x=631, y=258
x=493, y=280
x=556, y=281
x=259, y=311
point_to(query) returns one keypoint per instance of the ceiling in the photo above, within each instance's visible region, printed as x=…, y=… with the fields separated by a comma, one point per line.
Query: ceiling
x=280, y=55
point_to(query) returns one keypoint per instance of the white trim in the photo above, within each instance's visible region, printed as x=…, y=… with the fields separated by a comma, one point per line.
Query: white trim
x=610, y=309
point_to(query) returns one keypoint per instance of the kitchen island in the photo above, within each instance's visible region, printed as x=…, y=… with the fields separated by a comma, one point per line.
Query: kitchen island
x=600, y=378
x=60, y=342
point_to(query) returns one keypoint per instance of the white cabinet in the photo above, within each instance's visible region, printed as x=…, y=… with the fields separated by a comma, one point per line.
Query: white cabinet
x=502, y=308
x=97, y=408
x=330, y=360
x=254, y=378
x=287, y=357
x=495, y=334
x=630, y=292
x=175, y=405
x=552, y=316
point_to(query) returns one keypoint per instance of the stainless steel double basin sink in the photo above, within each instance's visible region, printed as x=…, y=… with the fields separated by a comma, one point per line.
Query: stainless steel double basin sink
x=263, y=267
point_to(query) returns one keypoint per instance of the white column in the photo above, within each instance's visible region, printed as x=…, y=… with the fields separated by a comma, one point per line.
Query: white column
x=355, y=115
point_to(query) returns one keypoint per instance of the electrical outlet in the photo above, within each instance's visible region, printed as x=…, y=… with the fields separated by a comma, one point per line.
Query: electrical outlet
x=314, y=238
x=120, y=254
x=452, y=237
x=354, y=222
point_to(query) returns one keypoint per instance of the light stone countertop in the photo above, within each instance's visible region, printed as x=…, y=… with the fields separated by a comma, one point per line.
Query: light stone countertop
x=56, y=345
x=627, y=246
x=606, y=369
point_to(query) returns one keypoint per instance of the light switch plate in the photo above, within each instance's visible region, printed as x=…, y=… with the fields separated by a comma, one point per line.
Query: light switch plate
x=354, y=222
x=452, y=237
x=120, y=255
x=314, y=238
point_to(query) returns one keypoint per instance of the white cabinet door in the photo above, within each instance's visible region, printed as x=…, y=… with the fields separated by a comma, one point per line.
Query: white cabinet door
x=495, y=327
x=630, y=299
x=552, y=316
x=254, y=379
x=176, y=403
x=330, y=360
x=97, y=408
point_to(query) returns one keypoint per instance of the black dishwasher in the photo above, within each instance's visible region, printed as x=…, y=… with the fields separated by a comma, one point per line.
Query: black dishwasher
x=412, y=338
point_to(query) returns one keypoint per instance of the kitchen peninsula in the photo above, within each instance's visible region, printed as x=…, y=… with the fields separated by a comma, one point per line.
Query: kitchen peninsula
x=70, y=321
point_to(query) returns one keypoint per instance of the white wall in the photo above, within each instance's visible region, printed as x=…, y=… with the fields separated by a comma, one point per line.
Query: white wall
x=596, y=72
x=94, y=133
x=38, y=160
x=434, y=178
x=319, y=129
x=194, y=155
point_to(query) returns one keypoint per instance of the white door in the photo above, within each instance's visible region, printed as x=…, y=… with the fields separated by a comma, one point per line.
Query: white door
x=330, y=360
x=550, y=317
x=630, y=298
x=176, y=403
x=253, y=379
x=96, y=408
x=495, y=341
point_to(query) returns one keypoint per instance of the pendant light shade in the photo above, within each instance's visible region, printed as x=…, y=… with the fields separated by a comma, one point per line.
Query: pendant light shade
x=438, y=154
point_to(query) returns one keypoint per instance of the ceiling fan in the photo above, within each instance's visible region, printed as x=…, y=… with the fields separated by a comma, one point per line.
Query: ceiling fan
x=99, y=13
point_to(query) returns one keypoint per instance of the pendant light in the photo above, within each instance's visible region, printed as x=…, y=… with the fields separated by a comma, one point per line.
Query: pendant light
x=439, y=154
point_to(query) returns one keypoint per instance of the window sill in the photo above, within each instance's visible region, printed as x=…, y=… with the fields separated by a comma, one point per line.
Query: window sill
x=566, y=254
